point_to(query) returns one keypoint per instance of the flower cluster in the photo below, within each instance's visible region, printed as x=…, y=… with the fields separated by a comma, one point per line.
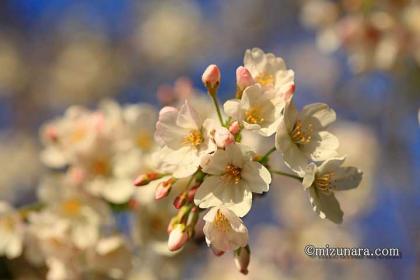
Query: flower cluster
x=377, y=34
x=224, y=173
x=92, y=156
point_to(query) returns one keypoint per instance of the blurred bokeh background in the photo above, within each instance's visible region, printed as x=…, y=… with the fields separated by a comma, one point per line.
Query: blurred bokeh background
x=63, y=52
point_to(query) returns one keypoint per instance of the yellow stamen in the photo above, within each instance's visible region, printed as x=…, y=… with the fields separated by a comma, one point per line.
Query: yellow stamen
x=194, y=138
x=323, y=182
x=301, y=134
x=265, y=79
x=253, y=116
x=233, y=173
x=221, y=222
x=71, y=207
x=144, y=141
x=78, y=135
x=7, y=222
x=101, y=166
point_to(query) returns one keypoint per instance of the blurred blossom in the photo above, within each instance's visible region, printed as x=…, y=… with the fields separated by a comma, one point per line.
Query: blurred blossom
x=355, y=140
x=12, y=71
x=306, y=60
x=170, y=34
x=280, y=255
x=81, y=70
x=376, y=34
x=17, y=150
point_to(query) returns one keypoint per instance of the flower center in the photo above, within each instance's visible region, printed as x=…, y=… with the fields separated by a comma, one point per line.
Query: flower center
x=323, y=182
x=144, y=141
x=71, y=207
x=78, y=135
x=265, y=79
x=221, y=222
x=101, y=167
x=300, y=134
x=233, y=173
x=194, y=138
x=7, y=223
x=253, y=116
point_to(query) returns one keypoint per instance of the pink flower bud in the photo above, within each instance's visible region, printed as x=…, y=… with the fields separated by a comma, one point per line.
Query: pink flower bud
x=242, y=258
x=161, y=192
x=179, y=201
x=235, y=127
x=145, y=179
x=51, y=134
x=164, y=188
x=191, y=193
x=243, y=78
x=211, y=76
x=177, y=238
x=165, y=94
x=223, y=137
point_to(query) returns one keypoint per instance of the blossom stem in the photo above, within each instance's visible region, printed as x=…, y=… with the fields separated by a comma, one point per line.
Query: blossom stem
x=216, y=104
x=265, y=157
x=286, y=174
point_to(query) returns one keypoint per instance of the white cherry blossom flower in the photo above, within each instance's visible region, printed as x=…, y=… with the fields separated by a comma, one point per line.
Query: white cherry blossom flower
x=322, y=181
x=11, y=231
x=69, y=136
x=270, y=72
x=186, y=135
x=224, y=230
x=302, y=136
x=256, y=110
x=232, y=177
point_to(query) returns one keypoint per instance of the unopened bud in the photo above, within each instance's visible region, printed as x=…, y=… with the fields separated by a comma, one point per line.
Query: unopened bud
x=165, y=94
x=211, y=78
x=172, y=223
x=242, y=258
x=191, y=193
x=51, y=134
x=235, y=127
x=180, y=200
x=164, y=188
x=177, y=238
x=243, y=78
x=223, y=137
x=145, y=179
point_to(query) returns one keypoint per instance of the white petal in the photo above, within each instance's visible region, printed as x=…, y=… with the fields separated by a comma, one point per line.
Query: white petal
x=309, y=177
x=346, y=178
x=322, y=146
x=209, y=193
x=53, y=157
x=232, y=109
x=257, y=177
x=331, y=165
x=293, y=157
x=319, y=114
x=185, y=160
x=216, y=164
x=14, y=246
x=188, y=118
x=117, y=190
x=167, y=131
x=326, y=206
x=290, y=116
